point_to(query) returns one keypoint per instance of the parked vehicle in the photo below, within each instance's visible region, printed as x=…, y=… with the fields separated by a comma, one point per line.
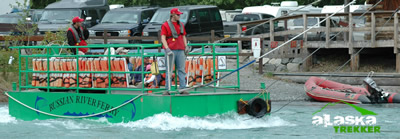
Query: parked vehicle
x=124, y=22
x=8, y=26
x=230, y=28
x=8, y=23
x=115, y=6
x=35, y=15
x=228, y=15
x=284, y=8
x=198, y=20
x=58, y=15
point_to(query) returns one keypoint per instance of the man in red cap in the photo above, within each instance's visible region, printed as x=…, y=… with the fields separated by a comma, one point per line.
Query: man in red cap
x=77, y=35
x=173, y=38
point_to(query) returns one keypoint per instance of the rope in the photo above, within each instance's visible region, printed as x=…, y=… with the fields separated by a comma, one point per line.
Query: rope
x=74, y=117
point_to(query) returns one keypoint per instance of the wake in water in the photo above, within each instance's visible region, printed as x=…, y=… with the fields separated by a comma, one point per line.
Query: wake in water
x=6, y=118
x=163, y=121
x=231, y=120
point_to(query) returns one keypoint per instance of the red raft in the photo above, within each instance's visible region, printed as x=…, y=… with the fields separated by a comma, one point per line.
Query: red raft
x=330, y=91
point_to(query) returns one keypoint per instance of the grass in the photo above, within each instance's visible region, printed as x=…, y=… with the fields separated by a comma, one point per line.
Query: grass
x=269, y=75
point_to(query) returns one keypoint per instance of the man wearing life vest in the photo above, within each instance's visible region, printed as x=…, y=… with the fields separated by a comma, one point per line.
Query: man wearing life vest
x=77, y=35
x=173, y=38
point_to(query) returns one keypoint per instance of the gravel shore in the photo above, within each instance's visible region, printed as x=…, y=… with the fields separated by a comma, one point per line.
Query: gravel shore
x=250, y=79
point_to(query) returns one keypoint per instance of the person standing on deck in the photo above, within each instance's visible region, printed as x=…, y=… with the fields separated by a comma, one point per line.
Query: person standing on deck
x=173, y=38
x=77, y=35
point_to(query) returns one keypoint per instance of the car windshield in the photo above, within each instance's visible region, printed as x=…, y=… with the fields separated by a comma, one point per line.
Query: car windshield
x=59, y=15
x=246, y=17
x=163, y=15
x=121, y=17
x=310, y=22
x=9, y=20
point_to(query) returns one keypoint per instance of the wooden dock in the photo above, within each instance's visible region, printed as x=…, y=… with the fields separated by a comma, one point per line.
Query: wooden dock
x=376, y=35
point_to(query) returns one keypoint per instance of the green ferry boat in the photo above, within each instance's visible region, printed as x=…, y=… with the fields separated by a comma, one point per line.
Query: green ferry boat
x=57, y=85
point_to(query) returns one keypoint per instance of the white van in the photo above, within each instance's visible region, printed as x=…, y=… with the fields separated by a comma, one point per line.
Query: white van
x=284, y=8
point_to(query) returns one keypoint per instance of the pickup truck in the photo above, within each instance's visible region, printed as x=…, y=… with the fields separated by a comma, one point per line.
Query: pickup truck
x=230, y=28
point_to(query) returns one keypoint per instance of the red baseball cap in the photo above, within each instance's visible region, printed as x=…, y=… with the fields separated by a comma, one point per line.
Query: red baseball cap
x=77, y=19
x=176, y=11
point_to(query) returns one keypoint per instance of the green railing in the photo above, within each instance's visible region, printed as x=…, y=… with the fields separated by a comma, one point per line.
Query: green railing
x=139, y=51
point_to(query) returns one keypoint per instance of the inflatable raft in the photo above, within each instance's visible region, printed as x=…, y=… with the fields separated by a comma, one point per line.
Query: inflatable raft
x=330, y=91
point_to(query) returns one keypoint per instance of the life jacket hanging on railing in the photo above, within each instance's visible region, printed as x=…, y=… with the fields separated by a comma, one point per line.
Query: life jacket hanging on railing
x=35, y=76
x=66, y=76
x=73, y=76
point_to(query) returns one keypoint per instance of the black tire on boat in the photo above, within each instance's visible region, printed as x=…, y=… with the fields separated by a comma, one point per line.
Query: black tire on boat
x=257, y=107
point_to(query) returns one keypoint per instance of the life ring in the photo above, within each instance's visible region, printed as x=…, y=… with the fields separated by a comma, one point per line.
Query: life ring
x=257, y=107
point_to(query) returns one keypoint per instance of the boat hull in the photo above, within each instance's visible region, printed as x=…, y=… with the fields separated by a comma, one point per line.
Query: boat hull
x=80, y=104
x=330, y=91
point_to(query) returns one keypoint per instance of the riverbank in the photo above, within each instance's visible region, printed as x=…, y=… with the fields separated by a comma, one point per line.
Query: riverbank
x=3, y=98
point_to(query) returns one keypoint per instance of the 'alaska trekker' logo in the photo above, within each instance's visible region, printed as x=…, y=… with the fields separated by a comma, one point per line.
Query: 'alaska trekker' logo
x=348, y=124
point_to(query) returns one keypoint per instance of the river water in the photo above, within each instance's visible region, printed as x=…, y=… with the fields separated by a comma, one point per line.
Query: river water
x=292, y=121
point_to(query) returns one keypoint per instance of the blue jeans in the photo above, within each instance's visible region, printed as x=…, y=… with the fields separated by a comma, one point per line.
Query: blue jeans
x=130, y=67
x=179, y=61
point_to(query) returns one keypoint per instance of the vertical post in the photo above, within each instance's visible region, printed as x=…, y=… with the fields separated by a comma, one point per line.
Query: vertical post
x=396, y=41
x=398, y=62
x=262, y=86
x=327, y=31
x=373, y=27
x=238, y=29
x=159, y=40
x=305, y=27
x=350, y=26
x=286, y=28
x=354, y=64
x=350, y=30
x=47, y=71
x=214, y=68
x=260, y=62
x=304, y=50
x=271, y=30
x=212, y=36
x=346, y=10
x=14, y=86
x=105, y=36
x=396, y=33
x=237, y=67
x=20, y=65
x=239, y=42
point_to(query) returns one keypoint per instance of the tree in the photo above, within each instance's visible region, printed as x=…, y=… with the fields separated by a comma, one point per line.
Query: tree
x=223, y=4
x=41, y=4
